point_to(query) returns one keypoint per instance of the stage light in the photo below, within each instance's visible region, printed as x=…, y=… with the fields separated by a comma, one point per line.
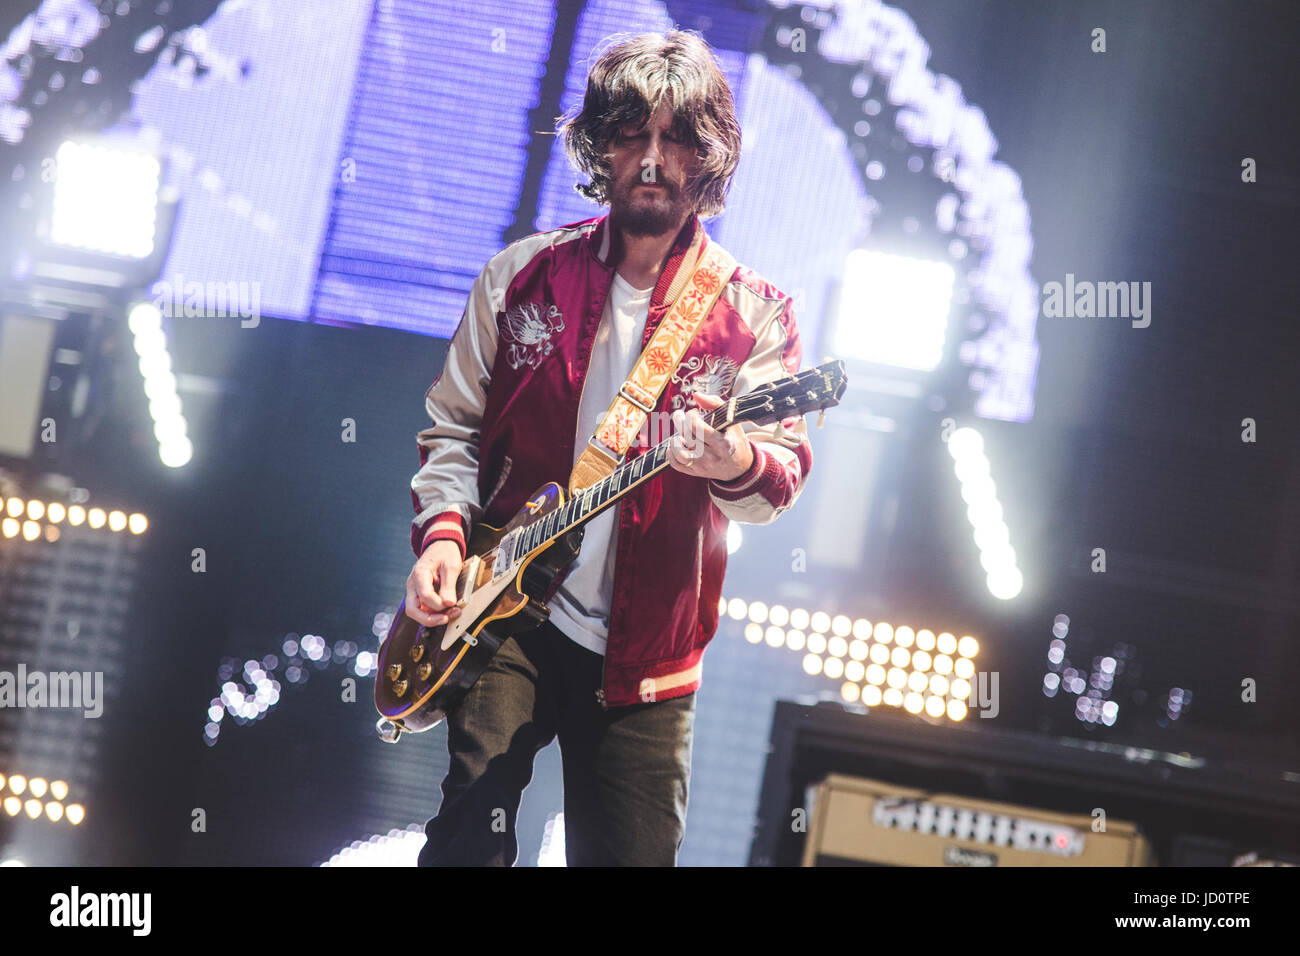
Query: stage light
x=871, y=696
x=968, y=646
x=817, y=643
x=14, y=507
x=56, y=512
x=105, y=199
x=917, y=681
x=9, y=527
x=13, y=806
x=138, y=523
x=799, y=618
x=833, y=668
x=879, y=653
x=925, y=640
x=757, y=612
x=904, y=636
x=947, y=644
x=921, y=661
x=778, y=615
x=893, y=310
x=31, y=530
x=1005, y=583
x=33, y=808
x=938, y=685
x=900, y=657
x=858, y=650
x=35, y=510
x=934, y=706
x=116, y=521
x=796, y=640
x=884, y=632
x=401, y=848
x=850, y=692
x=821, y=622
x=893, y=697
x=942, y=664
x=963, y=668
x=812, y=664
x=990, y=532
x=775, y=636
x=37, y=786
x=736, y=609
x=854, y=671
x=54, y=810
x=837, y=646
x=96, y=518
x=959, y=689
x=170, y=428
x=875, y=674
x=51, y=533
x=862, y=629
x=896, y=677
x=18, y=784
x=754, y=633
x=956, y=710
x=76, y=515
x=841, y=626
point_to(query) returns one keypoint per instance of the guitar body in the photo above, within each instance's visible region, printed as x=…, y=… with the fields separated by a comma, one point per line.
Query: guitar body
x=418, y=679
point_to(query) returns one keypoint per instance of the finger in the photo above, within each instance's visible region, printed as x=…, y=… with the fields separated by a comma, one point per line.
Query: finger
x=422, y=584
x=447, y=584
x=679, y=457
x=413, y=609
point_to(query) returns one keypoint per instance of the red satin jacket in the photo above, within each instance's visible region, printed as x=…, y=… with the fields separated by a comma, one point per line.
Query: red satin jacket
x=504, y=411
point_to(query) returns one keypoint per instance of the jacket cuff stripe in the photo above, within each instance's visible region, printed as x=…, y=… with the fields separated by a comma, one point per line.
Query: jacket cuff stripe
x=443, y=527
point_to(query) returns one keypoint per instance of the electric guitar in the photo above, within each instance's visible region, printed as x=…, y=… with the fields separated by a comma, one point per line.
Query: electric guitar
x=424, y=671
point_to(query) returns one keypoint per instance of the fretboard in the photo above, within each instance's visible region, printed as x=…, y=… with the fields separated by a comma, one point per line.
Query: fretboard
x=590, y=501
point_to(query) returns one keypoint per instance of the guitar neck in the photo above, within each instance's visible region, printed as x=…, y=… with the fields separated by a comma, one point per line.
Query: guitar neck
x=796, y=394
x=592, y=500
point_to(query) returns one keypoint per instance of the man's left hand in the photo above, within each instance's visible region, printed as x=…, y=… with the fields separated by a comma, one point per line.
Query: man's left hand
x=722, y=455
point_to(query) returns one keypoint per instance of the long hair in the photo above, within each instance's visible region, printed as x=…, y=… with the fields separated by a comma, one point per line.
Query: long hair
x=627, y=85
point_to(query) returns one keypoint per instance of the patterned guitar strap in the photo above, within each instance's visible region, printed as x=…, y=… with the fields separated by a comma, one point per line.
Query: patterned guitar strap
x=696, y=292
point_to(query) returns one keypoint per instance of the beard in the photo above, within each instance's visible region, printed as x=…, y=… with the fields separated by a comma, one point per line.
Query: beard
x=648, y=212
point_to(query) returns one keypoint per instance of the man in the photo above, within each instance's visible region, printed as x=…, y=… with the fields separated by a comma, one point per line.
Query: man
x=554, y=325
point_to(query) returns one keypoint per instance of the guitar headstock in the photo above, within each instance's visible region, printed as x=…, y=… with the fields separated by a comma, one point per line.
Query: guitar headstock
x=813, y=389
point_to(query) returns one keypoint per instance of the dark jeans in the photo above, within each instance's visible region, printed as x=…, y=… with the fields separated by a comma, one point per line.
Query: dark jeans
x=626, y=769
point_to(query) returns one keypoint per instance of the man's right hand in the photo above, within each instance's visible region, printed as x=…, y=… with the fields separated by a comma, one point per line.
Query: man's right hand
x=431, y=586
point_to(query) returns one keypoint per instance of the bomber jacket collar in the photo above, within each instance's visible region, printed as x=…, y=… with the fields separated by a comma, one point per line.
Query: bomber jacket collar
x=682, y=256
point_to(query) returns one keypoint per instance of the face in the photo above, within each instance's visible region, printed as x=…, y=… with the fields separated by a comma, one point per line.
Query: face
x=649, y=169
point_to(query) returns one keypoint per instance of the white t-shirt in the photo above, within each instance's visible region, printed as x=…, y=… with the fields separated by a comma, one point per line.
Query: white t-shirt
x=580, y=608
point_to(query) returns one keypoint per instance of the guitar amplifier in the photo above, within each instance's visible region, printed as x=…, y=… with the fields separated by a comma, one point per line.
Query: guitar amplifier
x=859, y=822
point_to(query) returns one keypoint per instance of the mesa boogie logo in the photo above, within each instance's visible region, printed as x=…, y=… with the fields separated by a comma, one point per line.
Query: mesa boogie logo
x=957, y=856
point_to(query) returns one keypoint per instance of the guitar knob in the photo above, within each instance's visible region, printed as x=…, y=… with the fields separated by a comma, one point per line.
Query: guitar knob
x=388, y=731
x=424, y=670
x=400, y=688
x=417, y=651
x=394, y=671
